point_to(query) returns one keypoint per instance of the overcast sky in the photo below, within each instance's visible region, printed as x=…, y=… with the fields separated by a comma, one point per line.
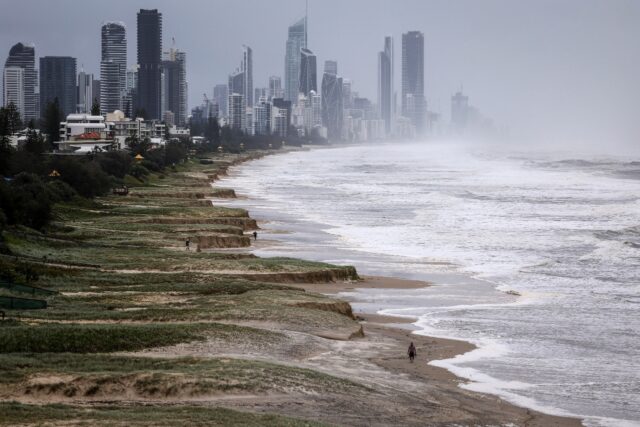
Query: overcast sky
x=554, y=69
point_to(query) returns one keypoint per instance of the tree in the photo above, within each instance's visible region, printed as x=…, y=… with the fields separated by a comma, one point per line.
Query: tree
x=26, y=201
x=95, y=108
x=137, y=145
x=52, y=119
x=175, y=152
x=140, y=113
x=35, y=143
x=212, y=131
x=12, y=118
x=6, y=153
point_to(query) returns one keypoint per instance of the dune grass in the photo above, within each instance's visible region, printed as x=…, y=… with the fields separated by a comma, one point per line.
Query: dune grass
x=102, y=338
x=12, y=414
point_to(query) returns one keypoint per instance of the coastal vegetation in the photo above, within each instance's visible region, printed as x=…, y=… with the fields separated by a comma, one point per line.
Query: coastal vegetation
x=122, y=286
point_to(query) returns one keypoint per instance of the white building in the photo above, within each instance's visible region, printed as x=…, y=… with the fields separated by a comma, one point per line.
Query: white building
x=279, y=125
x=262, y=117
x=13, y=88
x=82, y=133
x=122, y=128
x=237, y=111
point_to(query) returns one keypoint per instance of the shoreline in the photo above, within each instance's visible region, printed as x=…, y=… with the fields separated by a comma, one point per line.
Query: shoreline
x=429, y=349
x=220, y=329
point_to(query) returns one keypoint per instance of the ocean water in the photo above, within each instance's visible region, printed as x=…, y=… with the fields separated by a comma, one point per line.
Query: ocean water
x=535, y=257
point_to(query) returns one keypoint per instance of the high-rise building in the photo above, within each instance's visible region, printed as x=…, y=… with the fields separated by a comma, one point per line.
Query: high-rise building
x=149, y=62
x=283, y=105
x=247, y=67
x=85, y=92
x=262, y=117
x=275, y=87
x=308, y=72
x=221, y=96
x=23, y=56
x=260, y=92
x=459, y=111
x=296, y=41
x=331, y=67
x=413, y=100
x=58, y=80
x=113, y=67
x=174, y=85
x=332, y=109
x=279, y=120
x=95, y=92
x=385, y=84
x=241, y=81
x=13, y=88
x=236, y=83
x=237, y=111
x=347, y=95
x=131, y=88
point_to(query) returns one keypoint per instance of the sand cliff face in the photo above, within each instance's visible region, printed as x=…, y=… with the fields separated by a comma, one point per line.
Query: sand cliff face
x=222, y=241
x=317, y=276
x=246, y=224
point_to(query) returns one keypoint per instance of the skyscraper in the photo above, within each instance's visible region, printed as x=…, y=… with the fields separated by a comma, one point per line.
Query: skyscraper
x=113, y=67
x=413, y=101
x=237, y=111
x=459, y=111
x=260, y=92
x=331, y=67
x=275, y=87
x=247, y=67
x=131, y=88
x=23, y=56
x=296, y=41
x=241, y=81
x=332, y=109
x=385, y=84
x=58, y=80
x=175, y=85
x=150, y=63
x=220, y=96
x=308, y=72
x=85, y=92
x=13, y=88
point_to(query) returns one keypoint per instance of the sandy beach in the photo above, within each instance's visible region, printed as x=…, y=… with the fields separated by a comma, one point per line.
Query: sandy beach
x=194, y=334
x=444, y=401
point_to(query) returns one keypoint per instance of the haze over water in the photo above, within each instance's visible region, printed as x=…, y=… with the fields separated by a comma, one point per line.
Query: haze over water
x=563, y=231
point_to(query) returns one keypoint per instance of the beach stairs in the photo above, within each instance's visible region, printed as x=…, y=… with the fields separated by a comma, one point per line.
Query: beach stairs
x=9, y=302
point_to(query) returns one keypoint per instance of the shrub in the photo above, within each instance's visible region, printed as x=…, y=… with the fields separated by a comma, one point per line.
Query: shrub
x=60, y=191
x=26, y=201
x=88, y=179
x=115, y=163
x=138, y=171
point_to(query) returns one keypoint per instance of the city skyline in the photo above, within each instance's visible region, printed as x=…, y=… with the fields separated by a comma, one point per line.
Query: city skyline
x=565, y=97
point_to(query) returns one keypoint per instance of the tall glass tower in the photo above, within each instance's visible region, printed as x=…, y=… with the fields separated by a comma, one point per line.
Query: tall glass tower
x=413, y=101
x=113, y=67
x=23, y=56
x=296, y=41
x=308, y=72
x=332, y=108
x=150, y=63
x=58, y=80
x=385, y=84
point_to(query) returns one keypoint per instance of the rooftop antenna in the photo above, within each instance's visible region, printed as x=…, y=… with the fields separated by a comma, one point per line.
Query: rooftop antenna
x=306, y=17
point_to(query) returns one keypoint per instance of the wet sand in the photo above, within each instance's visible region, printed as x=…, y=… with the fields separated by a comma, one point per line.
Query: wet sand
x=471, y=407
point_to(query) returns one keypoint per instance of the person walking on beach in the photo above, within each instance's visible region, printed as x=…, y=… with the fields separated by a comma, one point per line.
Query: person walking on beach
x=412, y=352
x=255, y=235
x=187, y=243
